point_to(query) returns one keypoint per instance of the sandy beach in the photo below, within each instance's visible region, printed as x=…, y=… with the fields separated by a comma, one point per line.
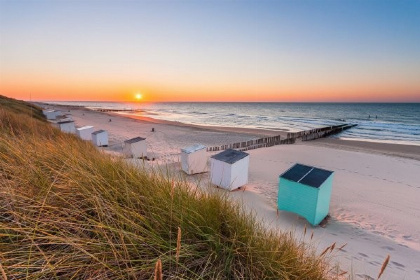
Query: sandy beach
x=374, y=204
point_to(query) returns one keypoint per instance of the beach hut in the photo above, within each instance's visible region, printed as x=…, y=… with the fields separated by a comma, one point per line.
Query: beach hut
x=194, y=159
x=67, y=117
x=66, y=126
x=100, y=138
x=135, y=147
x=306, y=191
x=85, y=132
x=229, y=169
x=51, y=114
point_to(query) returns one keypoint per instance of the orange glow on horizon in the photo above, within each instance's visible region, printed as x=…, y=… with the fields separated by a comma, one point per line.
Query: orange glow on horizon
x=68, y=89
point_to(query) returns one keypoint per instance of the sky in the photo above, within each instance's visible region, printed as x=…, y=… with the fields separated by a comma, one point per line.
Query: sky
x=266, y=51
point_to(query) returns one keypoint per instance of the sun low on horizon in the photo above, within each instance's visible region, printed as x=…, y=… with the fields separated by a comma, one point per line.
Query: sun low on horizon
x=138, y=96
x=283, y=51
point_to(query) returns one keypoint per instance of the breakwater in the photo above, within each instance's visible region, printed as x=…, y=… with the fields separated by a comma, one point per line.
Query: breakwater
x=291, y=138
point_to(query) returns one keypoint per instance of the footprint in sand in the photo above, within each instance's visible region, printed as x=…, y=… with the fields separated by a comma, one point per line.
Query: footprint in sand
x=388, y=248
x=398, y=264
x=418, y=271
x=407, y=237
x=375, y=263
x=364, y=277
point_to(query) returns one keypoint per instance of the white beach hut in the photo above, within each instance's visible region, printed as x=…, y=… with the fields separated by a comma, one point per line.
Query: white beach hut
x=51, y=114
x=194, y=159
x=135, y=147
x=85, y=132
x=100, y=138
x=67, y=117
x=66, y=126
x=229, y=169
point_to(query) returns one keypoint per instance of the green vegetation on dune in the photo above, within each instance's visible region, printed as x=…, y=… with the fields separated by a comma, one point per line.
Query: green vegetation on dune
x=21, y=108
x=68, y=211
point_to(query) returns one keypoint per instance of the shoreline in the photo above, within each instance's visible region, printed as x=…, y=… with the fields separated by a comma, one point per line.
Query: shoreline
x=390, y=149
x=253, y=131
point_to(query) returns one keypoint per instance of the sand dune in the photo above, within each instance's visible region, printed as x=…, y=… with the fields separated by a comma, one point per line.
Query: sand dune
x=374, y=204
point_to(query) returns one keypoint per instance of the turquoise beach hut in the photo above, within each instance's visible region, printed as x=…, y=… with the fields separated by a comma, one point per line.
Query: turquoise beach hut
x=306, y=191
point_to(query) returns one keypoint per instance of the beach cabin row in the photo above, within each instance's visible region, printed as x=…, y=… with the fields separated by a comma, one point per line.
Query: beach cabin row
x=304, y=190
x=229, y=169
x=99, y=137
x=66, y=124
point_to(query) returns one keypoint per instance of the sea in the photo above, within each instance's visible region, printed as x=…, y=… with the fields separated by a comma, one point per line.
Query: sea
x=397, y=123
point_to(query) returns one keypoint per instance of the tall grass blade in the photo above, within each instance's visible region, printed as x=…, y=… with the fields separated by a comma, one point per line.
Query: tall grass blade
x=384, y=265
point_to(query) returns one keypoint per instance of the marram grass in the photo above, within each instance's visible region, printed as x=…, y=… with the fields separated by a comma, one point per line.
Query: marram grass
x=68, y=211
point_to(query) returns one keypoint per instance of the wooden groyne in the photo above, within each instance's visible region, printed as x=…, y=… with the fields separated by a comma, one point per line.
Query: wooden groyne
x=254, y=144
x=118, y=110
x=325, y=131
x=291, y=138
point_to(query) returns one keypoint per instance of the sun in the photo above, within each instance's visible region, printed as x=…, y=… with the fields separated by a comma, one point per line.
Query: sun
x=138, y=96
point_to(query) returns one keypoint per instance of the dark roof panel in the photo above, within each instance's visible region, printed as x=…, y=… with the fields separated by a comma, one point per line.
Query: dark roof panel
x=316, y=177
x=63, y=122
x=193, y=148
x=98, y=131
x=296, y=172
x=230, y=156
x=307, y=175
x=134, y=140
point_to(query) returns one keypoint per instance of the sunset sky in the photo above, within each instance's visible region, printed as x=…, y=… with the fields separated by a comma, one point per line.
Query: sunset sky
x=280, y=51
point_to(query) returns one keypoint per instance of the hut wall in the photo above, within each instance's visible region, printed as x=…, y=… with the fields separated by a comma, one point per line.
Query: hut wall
x=297, y=198
x=85, y=133
x=324, y=198
x=239, y=173
x=195, y=162
x=50, y=115
x=135, y=150
x=68, y=127
x=100, y=139
x=220, y=173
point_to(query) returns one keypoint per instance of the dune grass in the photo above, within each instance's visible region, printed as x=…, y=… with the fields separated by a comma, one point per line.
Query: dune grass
x=68, y=211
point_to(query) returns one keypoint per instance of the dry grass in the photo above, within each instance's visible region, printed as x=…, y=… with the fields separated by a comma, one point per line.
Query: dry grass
x=68, y=211
x=384, y=265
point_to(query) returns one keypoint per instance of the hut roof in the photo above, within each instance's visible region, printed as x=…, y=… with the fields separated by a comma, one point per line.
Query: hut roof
x=98, y=131
x=63, y=122
x=85, y=127
x=193, y=148
x=230, y=156
x=307, y=175
x=134, y=140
